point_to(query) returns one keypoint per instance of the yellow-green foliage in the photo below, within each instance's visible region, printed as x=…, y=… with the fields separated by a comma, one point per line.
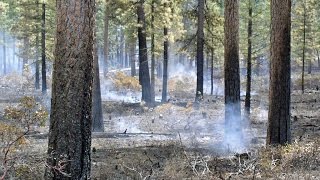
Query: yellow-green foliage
x=123, y=82
x=16, y=124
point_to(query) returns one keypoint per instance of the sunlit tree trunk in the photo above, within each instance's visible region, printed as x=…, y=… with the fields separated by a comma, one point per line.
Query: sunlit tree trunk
x=70, y=119
x=279, y=90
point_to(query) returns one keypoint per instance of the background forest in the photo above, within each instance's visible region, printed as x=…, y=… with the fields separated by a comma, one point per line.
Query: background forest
x=161, y=104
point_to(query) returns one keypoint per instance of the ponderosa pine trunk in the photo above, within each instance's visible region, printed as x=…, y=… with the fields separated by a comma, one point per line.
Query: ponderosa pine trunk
x=249, y=62
x=303, y=48
x=200, y=46
x=144, y=76
x=152, y=52
x=233, y=131
x=165, y=65
x=37, y=75
x=71, y=106
x=133, y=57
x=106, y=39
x=97, y=115
x=279, y=90
x=43, y=48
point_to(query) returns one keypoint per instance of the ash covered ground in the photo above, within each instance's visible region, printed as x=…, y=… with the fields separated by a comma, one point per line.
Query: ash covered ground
x=181, y=139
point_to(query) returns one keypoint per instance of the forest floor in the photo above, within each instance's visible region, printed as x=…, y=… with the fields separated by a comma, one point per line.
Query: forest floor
x=183, y=140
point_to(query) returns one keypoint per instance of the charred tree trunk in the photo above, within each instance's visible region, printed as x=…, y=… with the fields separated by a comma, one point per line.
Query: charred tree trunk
x=211, y=74
x=70, y=124
x=249, y=62
x=165, y=65
x=303, y=47
x=133, y=58
x=152, y=53
x=144, y=76
x=121, y=49
x=43, y=45
x=106, y=39
x=97, y=116
x=37, y=76
x=233, y=131
x=279, y=97
x=200, y=46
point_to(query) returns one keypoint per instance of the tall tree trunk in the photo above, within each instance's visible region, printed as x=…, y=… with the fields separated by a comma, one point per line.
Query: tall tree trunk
x=211, y=74
x=165, y=65
x=37, y=76
x=200, y=46
x=43, y=48
x=97, y=116
x=37, y=81
x=159, y=69
x=144, y=76
x=152, y=53
x=249, y=59
x=121, y=48
x=233, y=131
x=279, y=97
x=70, y=125
x=303, y=47
x=126, y=60
x=133, y=58
x=106, y=39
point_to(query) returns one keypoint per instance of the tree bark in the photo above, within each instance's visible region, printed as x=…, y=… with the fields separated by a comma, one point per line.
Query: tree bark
x=121, y=49
x=106, y=39
x=97, y=115
x=37, y=76
x=144, y=76
x=70, y=124
x=152, y=53
x=133, y=58
x=303, y=47
x=165, y=65
x=200, y=46
x=233, y=131
x=279, y=97
x=249, y=62
x=211, y=74
x=43, y=45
